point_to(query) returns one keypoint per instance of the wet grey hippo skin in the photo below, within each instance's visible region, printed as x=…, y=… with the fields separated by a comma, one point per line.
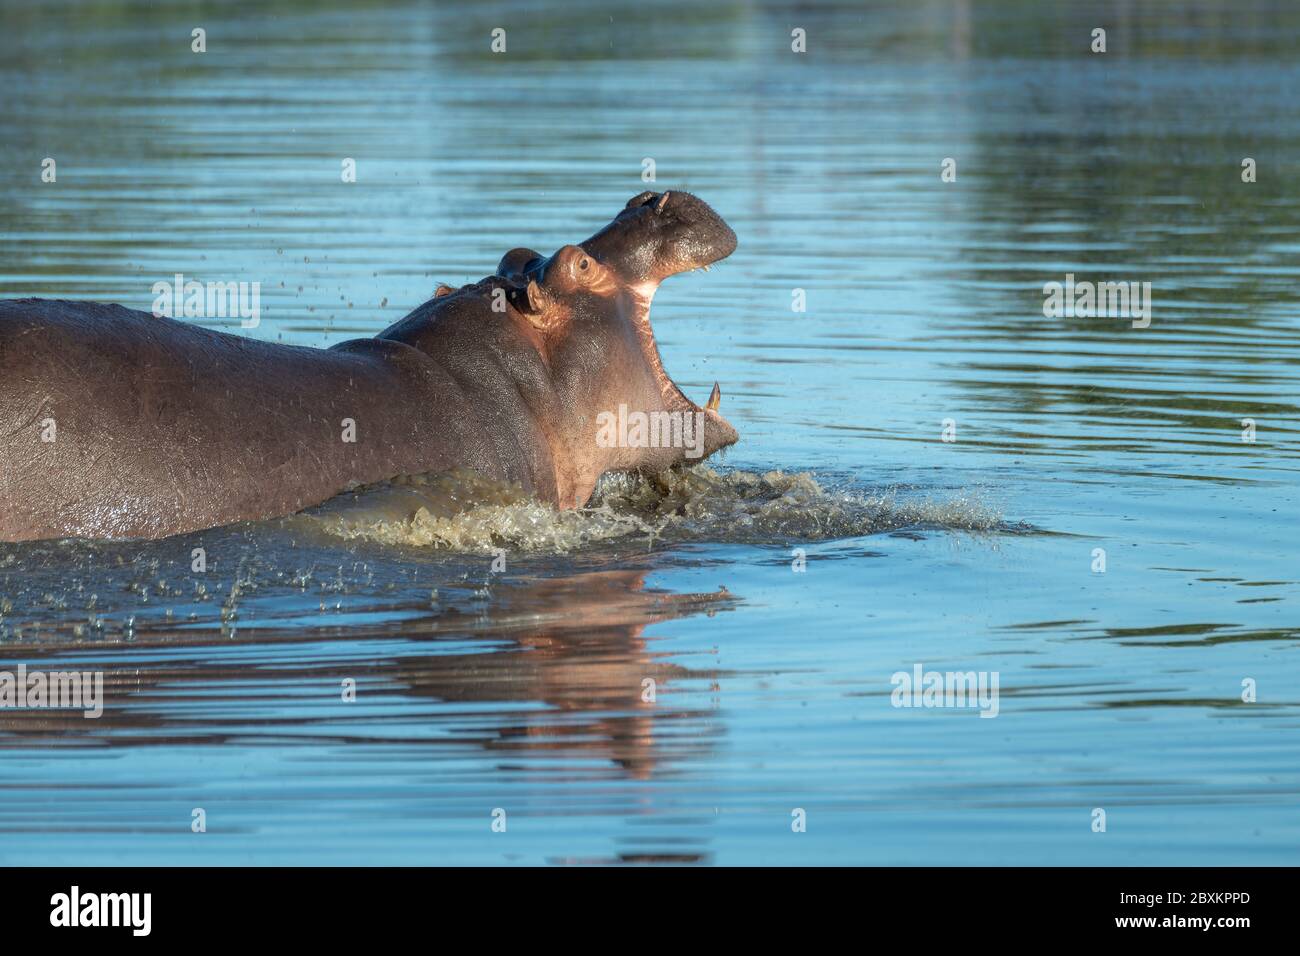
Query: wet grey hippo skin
x=162, y=427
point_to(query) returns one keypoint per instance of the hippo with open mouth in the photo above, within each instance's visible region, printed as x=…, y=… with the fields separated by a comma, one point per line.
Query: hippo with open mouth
x=118, y=424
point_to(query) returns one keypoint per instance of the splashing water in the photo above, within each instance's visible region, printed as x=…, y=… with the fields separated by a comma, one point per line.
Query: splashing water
x=466, y=513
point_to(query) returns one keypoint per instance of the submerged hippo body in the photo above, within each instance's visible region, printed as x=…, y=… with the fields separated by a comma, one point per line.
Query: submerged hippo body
x=115, y=423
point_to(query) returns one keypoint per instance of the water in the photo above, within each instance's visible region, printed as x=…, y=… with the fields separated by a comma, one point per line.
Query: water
x=522, y=691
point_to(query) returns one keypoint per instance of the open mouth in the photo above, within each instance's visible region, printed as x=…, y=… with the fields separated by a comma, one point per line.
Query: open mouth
x=658, y=235
x=674, y=398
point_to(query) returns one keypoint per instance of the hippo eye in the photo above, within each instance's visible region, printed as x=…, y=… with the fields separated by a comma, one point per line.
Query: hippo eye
x=582, y=264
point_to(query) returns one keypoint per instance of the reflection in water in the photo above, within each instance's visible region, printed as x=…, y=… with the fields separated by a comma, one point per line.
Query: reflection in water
x=555, y=669
x=592, y=668
x=573, y=647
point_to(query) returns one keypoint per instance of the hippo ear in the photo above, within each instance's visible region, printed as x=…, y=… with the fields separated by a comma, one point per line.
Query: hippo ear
x=516, y=262
x=538, y=306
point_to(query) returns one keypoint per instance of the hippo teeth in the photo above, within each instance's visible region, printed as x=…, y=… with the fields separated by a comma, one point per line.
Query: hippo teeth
x=715, y=398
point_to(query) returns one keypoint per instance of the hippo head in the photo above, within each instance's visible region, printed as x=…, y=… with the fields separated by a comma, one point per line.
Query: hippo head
x=661, y=234
x=655, y=236
x=590, y=306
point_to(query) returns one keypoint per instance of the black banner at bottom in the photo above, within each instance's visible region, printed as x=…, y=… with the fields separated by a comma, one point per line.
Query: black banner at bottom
x=337, y=905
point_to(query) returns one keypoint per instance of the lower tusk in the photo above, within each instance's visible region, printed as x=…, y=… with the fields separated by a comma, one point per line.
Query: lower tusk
x=715, y=398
